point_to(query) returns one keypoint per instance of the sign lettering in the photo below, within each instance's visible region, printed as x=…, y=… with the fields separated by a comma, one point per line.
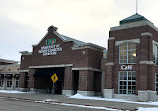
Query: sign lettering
x=50, y=48
x=126, y=67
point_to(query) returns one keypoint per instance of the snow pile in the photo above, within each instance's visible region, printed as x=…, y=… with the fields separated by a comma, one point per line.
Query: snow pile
x=78, y=96
x=148, y=109
x=11, y=91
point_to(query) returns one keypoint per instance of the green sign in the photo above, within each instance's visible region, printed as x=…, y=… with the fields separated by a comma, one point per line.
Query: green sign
x=50, y=48
x=50, y=41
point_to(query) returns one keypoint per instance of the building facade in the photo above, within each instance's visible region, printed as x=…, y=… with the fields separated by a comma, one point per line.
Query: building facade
x=9, y=74
x=77, y=65
x=131, y=68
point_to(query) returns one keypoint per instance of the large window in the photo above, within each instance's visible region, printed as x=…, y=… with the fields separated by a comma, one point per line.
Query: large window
x=1, y=82
x=16, y=83
x=127, y=82
x=9, y=83
x=127, y=53
x=156, y=82
x=155, y=54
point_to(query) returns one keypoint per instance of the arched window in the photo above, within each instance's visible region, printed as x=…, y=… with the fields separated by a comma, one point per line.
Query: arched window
x=127, y=53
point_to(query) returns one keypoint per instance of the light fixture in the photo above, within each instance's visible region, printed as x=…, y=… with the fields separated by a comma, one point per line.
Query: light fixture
x=134, y=54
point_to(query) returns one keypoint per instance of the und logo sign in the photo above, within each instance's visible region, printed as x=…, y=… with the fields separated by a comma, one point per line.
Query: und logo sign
x=51, y=47
x=50, y=41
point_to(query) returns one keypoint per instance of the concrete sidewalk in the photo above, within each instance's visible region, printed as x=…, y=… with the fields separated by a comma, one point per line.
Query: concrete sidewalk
x=64, y=99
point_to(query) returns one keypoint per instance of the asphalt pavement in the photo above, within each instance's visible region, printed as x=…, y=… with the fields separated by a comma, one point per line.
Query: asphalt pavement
x=30, y=98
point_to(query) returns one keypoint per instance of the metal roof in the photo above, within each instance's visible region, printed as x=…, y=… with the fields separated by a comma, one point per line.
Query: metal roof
x=71, y=39
x=8, y=61
x=133, y=18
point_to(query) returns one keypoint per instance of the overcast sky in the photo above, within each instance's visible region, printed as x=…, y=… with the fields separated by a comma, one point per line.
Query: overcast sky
x=25, y=22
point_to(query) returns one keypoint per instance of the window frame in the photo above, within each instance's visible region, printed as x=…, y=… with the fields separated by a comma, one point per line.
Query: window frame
x=127, y=52
x=1, y=82
x=16, y=83
x=127, y=80
x=156, y=82
x=155, y=54
x=10, y=82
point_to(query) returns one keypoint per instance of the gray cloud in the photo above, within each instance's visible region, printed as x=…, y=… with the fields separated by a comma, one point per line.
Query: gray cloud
x=25, y=22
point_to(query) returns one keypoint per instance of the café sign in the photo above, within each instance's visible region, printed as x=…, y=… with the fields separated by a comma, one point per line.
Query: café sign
x=50, y=48
x=126, y=67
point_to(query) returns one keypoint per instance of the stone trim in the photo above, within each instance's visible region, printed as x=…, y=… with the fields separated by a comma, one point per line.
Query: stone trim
x=134, y=24
x=124, y=41
x=49, y=66
x=86, y=93
x=146, y=95
x=24, y=70
x=108, y=93
x=87, y=68
x=67, y=92
x=109, y=64
x=146, y=62
x=146, y=34
x=86, y=47
x=111, y=38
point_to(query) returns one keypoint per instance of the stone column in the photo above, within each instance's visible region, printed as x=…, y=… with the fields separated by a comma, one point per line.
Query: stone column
x=86, y=83
x=68, y=88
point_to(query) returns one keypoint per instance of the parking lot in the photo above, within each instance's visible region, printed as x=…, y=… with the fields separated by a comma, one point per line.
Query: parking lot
x=34, y=102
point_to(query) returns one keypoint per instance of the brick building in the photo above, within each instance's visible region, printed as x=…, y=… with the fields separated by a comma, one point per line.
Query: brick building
x=76, y=63
x=131, y=70
x=9, y=74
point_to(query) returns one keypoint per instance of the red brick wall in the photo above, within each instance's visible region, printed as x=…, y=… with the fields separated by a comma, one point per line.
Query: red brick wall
x=145, y=74
x=86, y=80
x=91, y=58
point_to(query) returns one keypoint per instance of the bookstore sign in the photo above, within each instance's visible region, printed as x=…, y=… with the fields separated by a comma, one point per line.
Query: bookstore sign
x=50, y=48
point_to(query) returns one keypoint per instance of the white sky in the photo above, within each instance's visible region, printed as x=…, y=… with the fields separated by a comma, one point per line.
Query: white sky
x=25, y=22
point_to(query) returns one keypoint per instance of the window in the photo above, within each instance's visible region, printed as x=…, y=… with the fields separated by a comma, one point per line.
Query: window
x=16, y=83
x=155, y=54
x=27, y=80
x=156, y=82
x=127, y=53
x=1, y=82
x=127, y=82
x=9, y=83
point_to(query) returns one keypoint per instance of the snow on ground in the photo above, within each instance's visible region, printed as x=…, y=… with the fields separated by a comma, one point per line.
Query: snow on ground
x=148, y=109
x=77, y=105
x=11, y=91
x=84, y=106
x=78, y=96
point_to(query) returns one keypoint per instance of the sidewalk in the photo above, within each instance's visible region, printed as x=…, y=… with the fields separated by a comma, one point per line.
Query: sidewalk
x=86, y=102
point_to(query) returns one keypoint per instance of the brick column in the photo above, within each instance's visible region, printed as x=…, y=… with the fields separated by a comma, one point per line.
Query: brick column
x=22, y=81
x=86, y=82
x=32, y=80
x=145, y=60
x=68, y=88
x=146, y=78
x=108, y=90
